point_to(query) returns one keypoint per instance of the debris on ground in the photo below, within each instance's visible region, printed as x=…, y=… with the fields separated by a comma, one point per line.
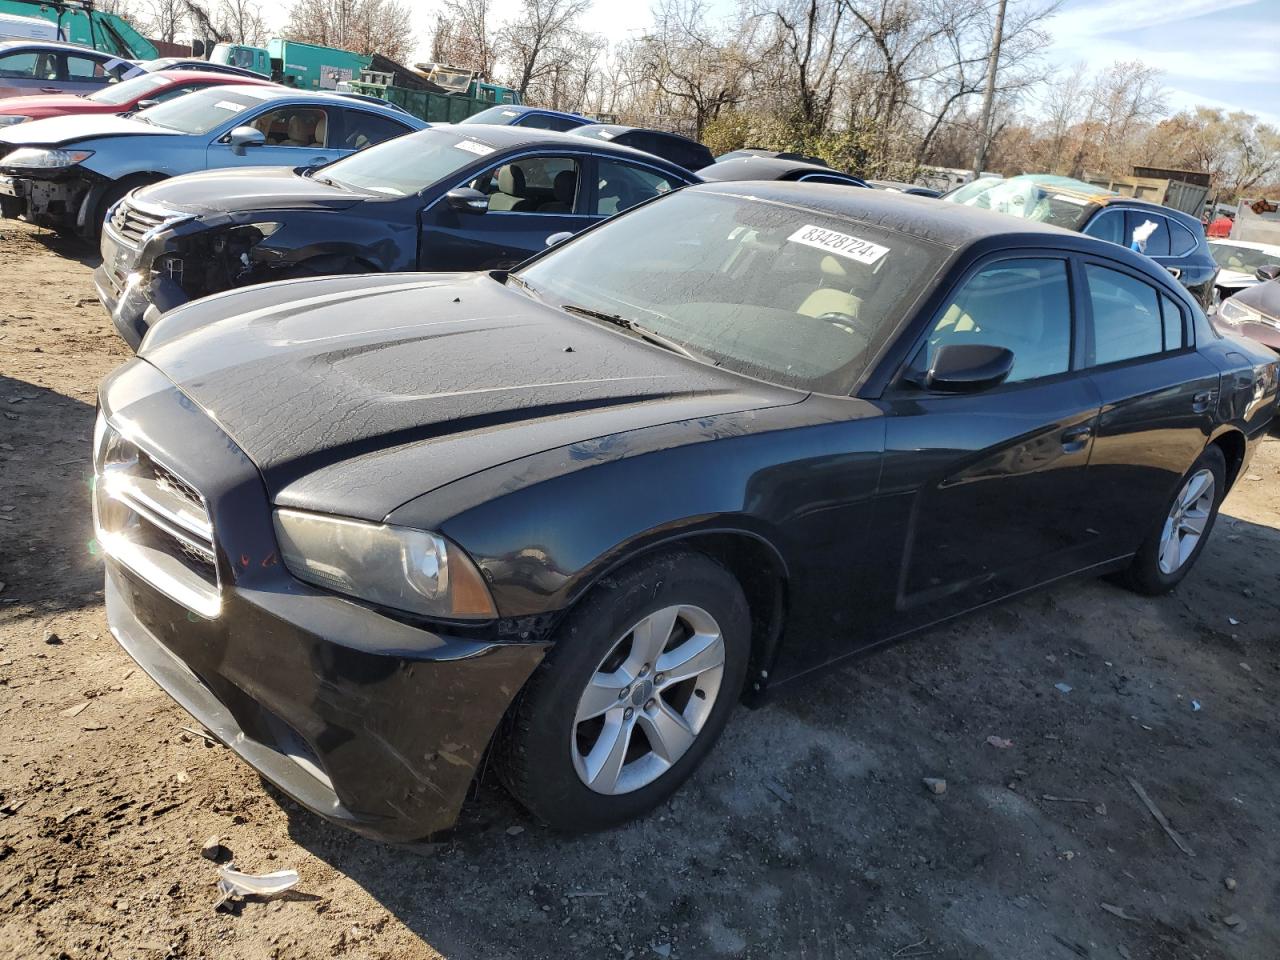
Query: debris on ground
x=207, y=738
x=76, y=710
x=212, y=849
x=935, y=785
x=52, y=638
x=778, y=790
x=1000, y=743
x=1160, y=817
x=1117, y=911
x=1062, y=687
x=233, y=883
x=514, y=831
x=1229, y=883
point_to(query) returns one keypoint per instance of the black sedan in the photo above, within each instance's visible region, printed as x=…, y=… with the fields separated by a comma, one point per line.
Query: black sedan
x=370, y=529
x=535, y=118
x=689, y=154
x=449, y=198
x=773, y=168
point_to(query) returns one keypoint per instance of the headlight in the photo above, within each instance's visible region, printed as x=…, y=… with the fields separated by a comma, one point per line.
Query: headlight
x=10, y=120
x=35, y=158
x=1237, y=313
x=392, y=566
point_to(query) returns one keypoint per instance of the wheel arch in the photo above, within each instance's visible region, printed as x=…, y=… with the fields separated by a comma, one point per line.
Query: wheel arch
x=1234, y=446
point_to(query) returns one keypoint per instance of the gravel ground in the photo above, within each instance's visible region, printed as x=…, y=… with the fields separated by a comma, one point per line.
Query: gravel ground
x=809, y=833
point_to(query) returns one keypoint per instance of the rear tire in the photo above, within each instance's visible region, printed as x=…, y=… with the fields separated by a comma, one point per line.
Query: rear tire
x=1175, y=544
x=596, y=739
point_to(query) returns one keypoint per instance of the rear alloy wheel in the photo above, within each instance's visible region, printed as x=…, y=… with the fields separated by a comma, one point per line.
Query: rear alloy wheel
x=1168, y=554
x=637, y=686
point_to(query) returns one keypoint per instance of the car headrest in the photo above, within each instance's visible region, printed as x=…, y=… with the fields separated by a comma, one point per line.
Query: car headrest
x=833, y=269
x=511, y=180
x=299, y=129
x=322, y=130
x=565, y=186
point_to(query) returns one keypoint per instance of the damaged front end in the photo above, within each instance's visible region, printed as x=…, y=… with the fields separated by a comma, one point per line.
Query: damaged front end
x=49, y=188
x=154, y=260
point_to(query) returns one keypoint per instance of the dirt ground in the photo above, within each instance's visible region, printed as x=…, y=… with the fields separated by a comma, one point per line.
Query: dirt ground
x=808, y=834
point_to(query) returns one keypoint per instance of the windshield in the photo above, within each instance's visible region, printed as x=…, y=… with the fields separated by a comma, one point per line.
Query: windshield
x=1245, y=259
x=405, y=165
x=128, y=91
x=201, y=111
x=494, y=115
x=785, y=295
x=1054, y=200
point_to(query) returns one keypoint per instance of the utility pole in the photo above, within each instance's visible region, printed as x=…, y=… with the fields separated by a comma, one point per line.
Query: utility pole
x=989, y=96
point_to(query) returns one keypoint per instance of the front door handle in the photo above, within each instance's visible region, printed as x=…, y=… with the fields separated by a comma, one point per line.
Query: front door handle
x=1075, y=438
x=52, y=90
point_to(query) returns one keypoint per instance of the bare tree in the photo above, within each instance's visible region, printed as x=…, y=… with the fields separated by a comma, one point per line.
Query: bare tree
x=241, y=21
x=165, y=18
x=362, y=26
x=465, y=36
x=540, y=40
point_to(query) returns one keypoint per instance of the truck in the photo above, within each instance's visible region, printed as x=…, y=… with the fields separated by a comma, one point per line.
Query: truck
x=77, y=21
x=306, y=66
x=1184, y=190
x=435, y=92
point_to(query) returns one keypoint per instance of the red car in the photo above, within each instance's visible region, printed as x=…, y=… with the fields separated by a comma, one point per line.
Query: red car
x=126, y=96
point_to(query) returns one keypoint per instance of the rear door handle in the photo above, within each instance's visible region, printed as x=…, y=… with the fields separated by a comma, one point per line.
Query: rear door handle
x=1074, y=438
x=1176, y=272
x=52, y=90
x=1200, y=402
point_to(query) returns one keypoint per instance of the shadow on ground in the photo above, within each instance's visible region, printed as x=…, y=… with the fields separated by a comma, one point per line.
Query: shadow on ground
x=809, y=832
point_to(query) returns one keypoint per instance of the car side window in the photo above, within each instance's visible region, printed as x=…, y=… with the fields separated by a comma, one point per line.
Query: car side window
x=364, y=129
x=1158, y=242
x=1174, y=327
x=826, y=178
x=1107, y=225
x=84, y=70
x=532, y=185
x=293, y=127
x=541, y=121
x=623, y=185
x=180, y=91
x=1022, y=305
x=1127, y=322
x=1181, y=240
x=22, y=66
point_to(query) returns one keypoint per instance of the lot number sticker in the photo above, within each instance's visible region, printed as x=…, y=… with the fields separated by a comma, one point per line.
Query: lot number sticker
x=864, y=251
x=228, y=105
x=479, y=149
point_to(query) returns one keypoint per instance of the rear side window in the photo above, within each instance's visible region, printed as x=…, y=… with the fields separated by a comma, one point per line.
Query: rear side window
x=366, y=129
x=1127, y=321
x=1107, y=225
x=1158, y=242
x=541, y=121
x=82, y=68
x=623, y=185
x=1181, y=240
x=1021, y=305
x=1171, y=313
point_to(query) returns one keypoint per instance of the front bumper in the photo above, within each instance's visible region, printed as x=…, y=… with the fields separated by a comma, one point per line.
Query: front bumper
x=371, y=722
x=133, y=295
x=58, y=201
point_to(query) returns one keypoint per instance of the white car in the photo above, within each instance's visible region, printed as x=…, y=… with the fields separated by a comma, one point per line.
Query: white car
x=1238, y=260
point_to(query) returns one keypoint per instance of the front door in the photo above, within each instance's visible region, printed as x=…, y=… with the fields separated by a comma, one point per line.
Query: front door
x=1158, y=396
x=991, y=488
x=297, y=136
x=530, y=200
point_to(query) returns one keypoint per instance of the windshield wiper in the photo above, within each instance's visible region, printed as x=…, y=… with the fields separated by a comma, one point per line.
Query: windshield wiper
x=643, y=332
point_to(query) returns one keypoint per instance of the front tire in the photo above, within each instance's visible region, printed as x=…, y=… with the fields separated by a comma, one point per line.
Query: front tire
x=1175, y=544
x=636, y=689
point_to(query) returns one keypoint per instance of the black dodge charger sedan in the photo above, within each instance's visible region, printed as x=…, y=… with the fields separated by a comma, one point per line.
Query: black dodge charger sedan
x=472, y=197
x=367, y=529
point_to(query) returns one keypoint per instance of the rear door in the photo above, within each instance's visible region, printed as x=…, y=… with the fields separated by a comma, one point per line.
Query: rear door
x=1158, y=395
x=85, y=74
x=298, y=135
x=993, y=486
x=531, y=199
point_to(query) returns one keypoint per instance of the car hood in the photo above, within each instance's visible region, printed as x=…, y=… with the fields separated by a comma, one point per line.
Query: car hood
x=354, y=395
x=56, y=131
x=1263, y=297
x=53, y=105
x=247, y=190
x=1234, y=279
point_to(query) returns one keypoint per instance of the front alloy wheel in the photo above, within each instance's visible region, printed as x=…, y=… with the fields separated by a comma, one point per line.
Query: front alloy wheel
x=637, y=685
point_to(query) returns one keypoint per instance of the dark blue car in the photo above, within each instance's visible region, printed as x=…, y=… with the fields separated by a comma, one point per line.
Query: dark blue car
x=535, y=118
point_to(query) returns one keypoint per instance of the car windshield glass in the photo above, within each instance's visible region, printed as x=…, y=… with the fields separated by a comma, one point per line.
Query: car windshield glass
x=405, y=165
x=1043, y=201
x=201, y=111
x=1231, y=257
x=789, y=296
x=129, y=90
x=499, y=115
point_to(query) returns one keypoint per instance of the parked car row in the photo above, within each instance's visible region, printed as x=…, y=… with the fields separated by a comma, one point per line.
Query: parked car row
x=492, y=440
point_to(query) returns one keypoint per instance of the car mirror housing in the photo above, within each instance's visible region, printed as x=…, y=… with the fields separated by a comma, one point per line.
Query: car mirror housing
x=242, y=137
x=1268, y=271
x=467, y=200
x=968, y=368
x=558, y=238
x=144, y=105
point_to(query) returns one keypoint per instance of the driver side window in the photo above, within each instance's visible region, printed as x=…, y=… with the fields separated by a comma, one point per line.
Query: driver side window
x=1021, y=305
x=293, y=127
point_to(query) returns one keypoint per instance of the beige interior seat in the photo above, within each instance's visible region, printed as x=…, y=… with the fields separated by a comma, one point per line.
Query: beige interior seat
x=829, y=298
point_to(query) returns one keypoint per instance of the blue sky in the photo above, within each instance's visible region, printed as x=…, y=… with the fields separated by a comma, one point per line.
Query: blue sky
x=1223, y=53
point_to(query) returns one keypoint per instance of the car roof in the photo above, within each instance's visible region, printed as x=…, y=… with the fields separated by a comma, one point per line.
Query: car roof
x=764, y=168
x=58, y=45
x=273, y=91
x=504, y=136
x=222, y=79
x=952, y=225
x=618, y=129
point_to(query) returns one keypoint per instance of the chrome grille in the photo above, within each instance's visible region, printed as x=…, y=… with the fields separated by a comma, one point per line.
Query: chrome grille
x=133, y=223
x=154, y=522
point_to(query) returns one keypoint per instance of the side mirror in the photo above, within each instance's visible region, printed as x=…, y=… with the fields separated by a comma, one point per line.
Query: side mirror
x=144, y=105
x=242, y=137
x=467, y=200
x=558, y=238
x=1268, y=271
x=968, y=368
